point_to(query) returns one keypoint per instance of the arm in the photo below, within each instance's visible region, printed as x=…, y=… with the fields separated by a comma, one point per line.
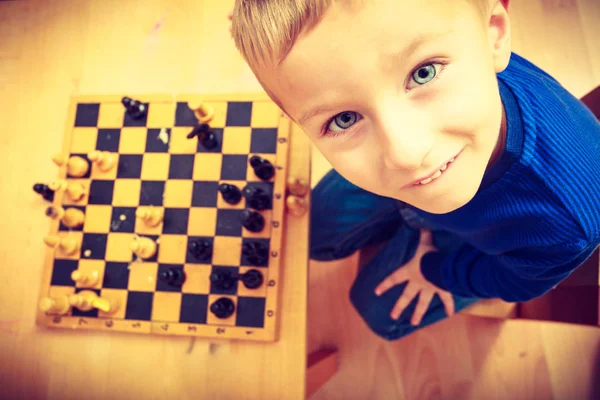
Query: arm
x=516, y=276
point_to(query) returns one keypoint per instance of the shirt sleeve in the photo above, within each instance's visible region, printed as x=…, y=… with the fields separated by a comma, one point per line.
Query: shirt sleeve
x=516, y=276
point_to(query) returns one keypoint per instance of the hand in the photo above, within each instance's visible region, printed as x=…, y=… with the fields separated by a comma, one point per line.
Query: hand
x=417, y=284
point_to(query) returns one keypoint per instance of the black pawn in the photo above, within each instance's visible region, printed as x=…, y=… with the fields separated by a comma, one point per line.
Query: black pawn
x=252, y=279
x=256, y=253
x=173, y=276
x=252, y=221
x=263, y=168
x=222, y=280
x=256, y=197
x=134, y=108
x=45, y=191
x=231, y=193
x=200, y=249
x=222, y=308
x=205, y=136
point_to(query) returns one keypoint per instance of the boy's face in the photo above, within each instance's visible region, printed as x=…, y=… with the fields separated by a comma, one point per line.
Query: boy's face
x=386, y=116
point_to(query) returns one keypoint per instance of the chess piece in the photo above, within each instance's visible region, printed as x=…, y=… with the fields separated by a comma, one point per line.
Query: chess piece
x=103, y=159
x=85, y=278
x=296, y=205
x=205, y=136
x=55, y=305
x=71, y=217
x=134, y=108
x=222, y=308
x=87, y=300
x=45, y=191
x=222, y=280
x=252, y=221
x=67, y=244
x=200, y=249
x=263, y=168
x=252, y=279
x=231, y=193
x=143, y=247
x=256, y=253
x=172, y=276
x=256, y=197
x=204, y=113
x=75, y=190
x=152, y=216
x=297, y=187
x=77, y=167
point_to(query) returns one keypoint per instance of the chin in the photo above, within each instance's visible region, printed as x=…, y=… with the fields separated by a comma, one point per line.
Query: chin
x=444, y=205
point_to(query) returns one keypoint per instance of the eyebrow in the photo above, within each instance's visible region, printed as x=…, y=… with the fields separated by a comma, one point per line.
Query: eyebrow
x=393, y=60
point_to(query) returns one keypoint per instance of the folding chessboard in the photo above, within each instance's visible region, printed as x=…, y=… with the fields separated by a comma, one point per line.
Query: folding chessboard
x=159, y=166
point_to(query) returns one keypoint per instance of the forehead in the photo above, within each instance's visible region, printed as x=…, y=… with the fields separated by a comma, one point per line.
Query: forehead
x=372, y=33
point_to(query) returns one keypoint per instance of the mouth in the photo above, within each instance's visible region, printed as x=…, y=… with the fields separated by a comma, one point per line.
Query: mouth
x=433, y=176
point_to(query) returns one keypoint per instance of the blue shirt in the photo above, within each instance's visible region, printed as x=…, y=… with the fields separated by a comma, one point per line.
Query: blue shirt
x=536, y=215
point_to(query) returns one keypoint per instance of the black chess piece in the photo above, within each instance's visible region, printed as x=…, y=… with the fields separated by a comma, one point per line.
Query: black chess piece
x=252, y=221
x=223, y=280
x=222, y=308
x=45, y=191
x=205, y=136
x=172, y=276
x=263, y=168
x=135, y=108
x=256, y=253
x=256, y=197
x=252, y=279
x=201, y=249
x=231, y=193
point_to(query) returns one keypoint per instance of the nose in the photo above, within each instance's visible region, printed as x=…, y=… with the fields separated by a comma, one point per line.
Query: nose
x=405, y=146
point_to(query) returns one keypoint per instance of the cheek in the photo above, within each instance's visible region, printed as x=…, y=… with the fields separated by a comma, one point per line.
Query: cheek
x=360, y=165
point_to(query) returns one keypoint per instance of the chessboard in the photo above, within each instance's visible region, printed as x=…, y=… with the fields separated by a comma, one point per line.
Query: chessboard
x=145, y=239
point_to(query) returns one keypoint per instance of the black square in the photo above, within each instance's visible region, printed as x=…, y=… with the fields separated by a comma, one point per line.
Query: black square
x=251, y=259
x=225, y=271
x=239, y=113
x=184, y=116
x=96, y=244
x=108, y=140
x=93, y=313
x=87, y=114
x=101, y=192
x=163, y=286
x=84, y=156
x=129, y=121
x=189, y=257
x=194, y=308
x=61, y=272
x=267, y=187
x=229, y=223
x=181, y=166
x=123, y=219
x=176, y=221
x=218, y=132
x=130, y=166
x=62, y=227
x=264, y=140
x=154, y=144
x=250, y=312
x=152, y=193
x=139, y=306
x=234, y=167
x=205, y=194
x=116, y=275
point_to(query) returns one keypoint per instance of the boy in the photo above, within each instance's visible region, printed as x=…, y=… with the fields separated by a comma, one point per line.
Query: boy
x=477, y=170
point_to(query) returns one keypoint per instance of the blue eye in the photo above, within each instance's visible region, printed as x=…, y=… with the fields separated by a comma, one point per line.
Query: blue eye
x=343, y=121
x=425, y=74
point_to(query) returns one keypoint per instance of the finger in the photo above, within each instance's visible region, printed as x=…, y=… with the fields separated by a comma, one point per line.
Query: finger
x=448, y=302
x=409, y=293
x=392, y=280
x=426, y=236
x=230, y=15
x=424, y=300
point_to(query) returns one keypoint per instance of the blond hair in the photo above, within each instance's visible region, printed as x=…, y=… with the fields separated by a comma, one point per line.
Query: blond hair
x=266, y=30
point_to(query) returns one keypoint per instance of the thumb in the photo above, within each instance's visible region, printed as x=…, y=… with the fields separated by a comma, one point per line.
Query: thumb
x=426, y=237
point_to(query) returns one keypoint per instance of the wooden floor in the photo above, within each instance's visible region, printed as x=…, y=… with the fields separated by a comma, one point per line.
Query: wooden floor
x=470, y=357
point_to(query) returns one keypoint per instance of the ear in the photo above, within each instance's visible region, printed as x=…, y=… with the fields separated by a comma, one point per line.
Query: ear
x=499, y=35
